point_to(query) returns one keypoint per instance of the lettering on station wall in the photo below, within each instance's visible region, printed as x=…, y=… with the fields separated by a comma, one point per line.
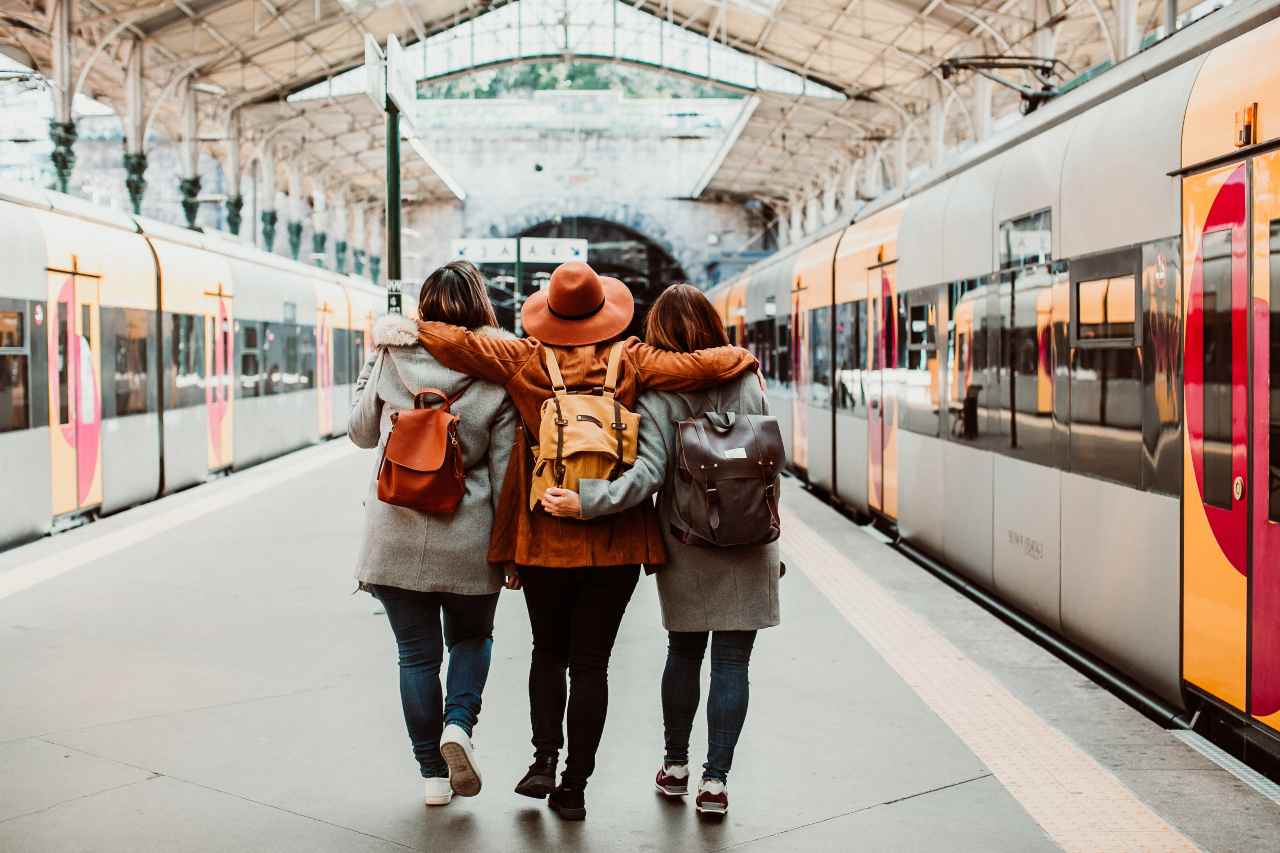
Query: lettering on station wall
x=532, y=250
x=1032, y=548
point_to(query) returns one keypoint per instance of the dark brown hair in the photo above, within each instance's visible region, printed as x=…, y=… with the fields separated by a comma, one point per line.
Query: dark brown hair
x=682, y=319
x=457, y=293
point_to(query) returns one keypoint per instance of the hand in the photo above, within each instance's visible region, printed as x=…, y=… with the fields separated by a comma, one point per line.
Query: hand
x=564, y=503
x=511, y=579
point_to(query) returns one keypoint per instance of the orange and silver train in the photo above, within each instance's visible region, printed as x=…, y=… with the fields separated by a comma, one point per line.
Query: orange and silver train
x=1055, y=365
x=137, y=358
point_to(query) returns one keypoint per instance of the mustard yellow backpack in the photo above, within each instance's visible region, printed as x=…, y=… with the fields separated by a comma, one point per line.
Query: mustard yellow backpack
x=582, y=436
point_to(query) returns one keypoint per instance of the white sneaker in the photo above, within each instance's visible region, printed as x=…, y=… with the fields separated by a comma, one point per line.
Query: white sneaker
x=458, y=753
x=713, y=798
x=438, y=792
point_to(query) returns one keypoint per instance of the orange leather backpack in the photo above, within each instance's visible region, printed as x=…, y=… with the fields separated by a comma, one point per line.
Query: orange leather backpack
x=422, y=462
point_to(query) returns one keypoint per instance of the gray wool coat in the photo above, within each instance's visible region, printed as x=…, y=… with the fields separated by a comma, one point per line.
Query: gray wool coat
x=700, y=589
x=409, y=549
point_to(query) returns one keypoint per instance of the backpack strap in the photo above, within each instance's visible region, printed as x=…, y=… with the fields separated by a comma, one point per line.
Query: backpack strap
x=611, y=374
x=420, y=400
x=557, y=385
x=553, y=370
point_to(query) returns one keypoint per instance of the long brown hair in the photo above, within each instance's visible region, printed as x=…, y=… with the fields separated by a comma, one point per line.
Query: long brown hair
x=457, y=294
x=682, y=319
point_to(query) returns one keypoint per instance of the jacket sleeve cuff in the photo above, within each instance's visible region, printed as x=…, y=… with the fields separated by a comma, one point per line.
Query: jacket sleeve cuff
x=594, y=497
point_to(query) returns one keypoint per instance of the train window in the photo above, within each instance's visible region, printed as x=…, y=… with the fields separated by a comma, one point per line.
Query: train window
x=783, y=350
x=820, y=357
x=1273, y=505
x=250, y=384
x=12, y=330
x=186, y=361
x=343, y=357
x=920, y=391
x=1106, y=414
x=1162, y=366
x=64, y=363
x=1031, y=429
x=272, y=359
x=1106, y=309
x=15, y=403
x=306, y=358
x=760, y=338
x=996, y=397
x=1217, y=388
x=1026, y=240
x=851, y=338
x=130, y=330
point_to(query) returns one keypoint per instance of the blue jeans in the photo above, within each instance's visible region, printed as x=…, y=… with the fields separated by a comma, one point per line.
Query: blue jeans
x=726, y=704
x=468, y=634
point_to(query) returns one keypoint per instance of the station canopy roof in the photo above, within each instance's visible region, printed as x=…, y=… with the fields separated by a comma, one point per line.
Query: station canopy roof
x=828, y=80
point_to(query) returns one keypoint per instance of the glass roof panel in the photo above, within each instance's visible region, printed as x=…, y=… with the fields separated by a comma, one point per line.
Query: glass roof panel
x=587, y=29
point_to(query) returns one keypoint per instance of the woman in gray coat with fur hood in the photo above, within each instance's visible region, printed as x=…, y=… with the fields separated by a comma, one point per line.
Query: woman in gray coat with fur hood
x=724, y=595
x=422, y=566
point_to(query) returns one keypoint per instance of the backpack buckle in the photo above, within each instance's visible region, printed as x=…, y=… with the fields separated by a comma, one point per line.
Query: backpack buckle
x=562, y=421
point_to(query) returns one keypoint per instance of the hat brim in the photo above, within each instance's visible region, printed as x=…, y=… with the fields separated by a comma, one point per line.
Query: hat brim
x=609, y=322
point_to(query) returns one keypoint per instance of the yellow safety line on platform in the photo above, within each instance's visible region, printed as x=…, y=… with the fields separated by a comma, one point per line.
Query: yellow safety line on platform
x=230, y=491
x=1078, y=803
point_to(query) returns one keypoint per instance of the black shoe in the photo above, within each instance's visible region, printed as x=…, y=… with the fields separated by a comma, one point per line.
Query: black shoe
x=540, y=780
x=569, y=803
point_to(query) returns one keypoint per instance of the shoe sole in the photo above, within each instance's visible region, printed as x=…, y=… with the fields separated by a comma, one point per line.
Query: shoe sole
x=437, y=801
x=538, y=787
x=712, y=811
x=671, y=792
x=568, y=814
x=463, y=776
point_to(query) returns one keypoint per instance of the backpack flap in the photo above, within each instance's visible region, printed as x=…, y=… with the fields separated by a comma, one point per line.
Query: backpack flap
x=421, y=439
x=727, y=491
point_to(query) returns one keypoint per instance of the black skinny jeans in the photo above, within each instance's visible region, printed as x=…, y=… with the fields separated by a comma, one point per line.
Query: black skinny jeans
x=574, y=614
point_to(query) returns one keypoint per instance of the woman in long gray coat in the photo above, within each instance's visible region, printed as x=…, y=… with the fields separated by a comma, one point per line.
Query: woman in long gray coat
x=420, y=566
x=727, y=593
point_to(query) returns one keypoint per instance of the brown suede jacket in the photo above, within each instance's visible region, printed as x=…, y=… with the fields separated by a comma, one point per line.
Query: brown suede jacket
x=536, y=538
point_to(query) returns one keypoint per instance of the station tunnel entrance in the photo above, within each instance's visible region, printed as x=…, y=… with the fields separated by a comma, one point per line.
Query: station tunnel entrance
x=613, y=250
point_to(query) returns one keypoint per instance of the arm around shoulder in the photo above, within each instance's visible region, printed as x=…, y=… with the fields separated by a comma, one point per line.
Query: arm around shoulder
x=641, y=480
x=490, y=357
x=663, y=370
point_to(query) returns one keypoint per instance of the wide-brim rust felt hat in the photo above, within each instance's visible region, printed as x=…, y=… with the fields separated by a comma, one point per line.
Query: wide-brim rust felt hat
x=578, y=307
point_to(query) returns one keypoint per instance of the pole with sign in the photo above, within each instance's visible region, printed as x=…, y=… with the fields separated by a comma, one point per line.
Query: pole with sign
x=376, y=87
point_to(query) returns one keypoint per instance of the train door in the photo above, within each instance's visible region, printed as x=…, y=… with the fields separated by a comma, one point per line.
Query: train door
x=1264, y=599
x=1215, y=516
x=324, y=367
x=75, y=398
x=882, y=481
x=875, y=393
x=800, y=378
x=219, y=393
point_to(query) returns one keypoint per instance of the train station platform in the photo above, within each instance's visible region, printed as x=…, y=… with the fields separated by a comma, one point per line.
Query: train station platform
x=196, y=675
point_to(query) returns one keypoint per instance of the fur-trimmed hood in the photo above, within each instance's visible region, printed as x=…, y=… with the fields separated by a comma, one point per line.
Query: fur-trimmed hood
x=397, y=330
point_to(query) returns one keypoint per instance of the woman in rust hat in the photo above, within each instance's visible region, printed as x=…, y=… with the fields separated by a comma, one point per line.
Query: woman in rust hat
x=578, y=576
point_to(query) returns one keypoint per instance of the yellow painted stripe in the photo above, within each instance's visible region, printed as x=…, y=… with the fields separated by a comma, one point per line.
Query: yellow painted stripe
x=1080, y=804
x=207, y=499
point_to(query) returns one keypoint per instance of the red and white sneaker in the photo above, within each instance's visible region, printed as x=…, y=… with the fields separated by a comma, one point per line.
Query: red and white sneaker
x=672, y=780
x=713, y=798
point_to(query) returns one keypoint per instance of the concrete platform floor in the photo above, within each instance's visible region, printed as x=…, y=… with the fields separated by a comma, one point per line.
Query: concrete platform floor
x=196, y=675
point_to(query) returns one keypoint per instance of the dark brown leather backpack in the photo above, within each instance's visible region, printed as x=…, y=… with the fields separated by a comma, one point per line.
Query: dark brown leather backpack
x=726, y=485
x=422, y=462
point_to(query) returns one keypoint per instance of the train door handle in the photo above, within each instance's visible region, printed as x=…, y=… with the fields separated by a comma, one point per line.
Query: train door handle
x=1237, y=488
